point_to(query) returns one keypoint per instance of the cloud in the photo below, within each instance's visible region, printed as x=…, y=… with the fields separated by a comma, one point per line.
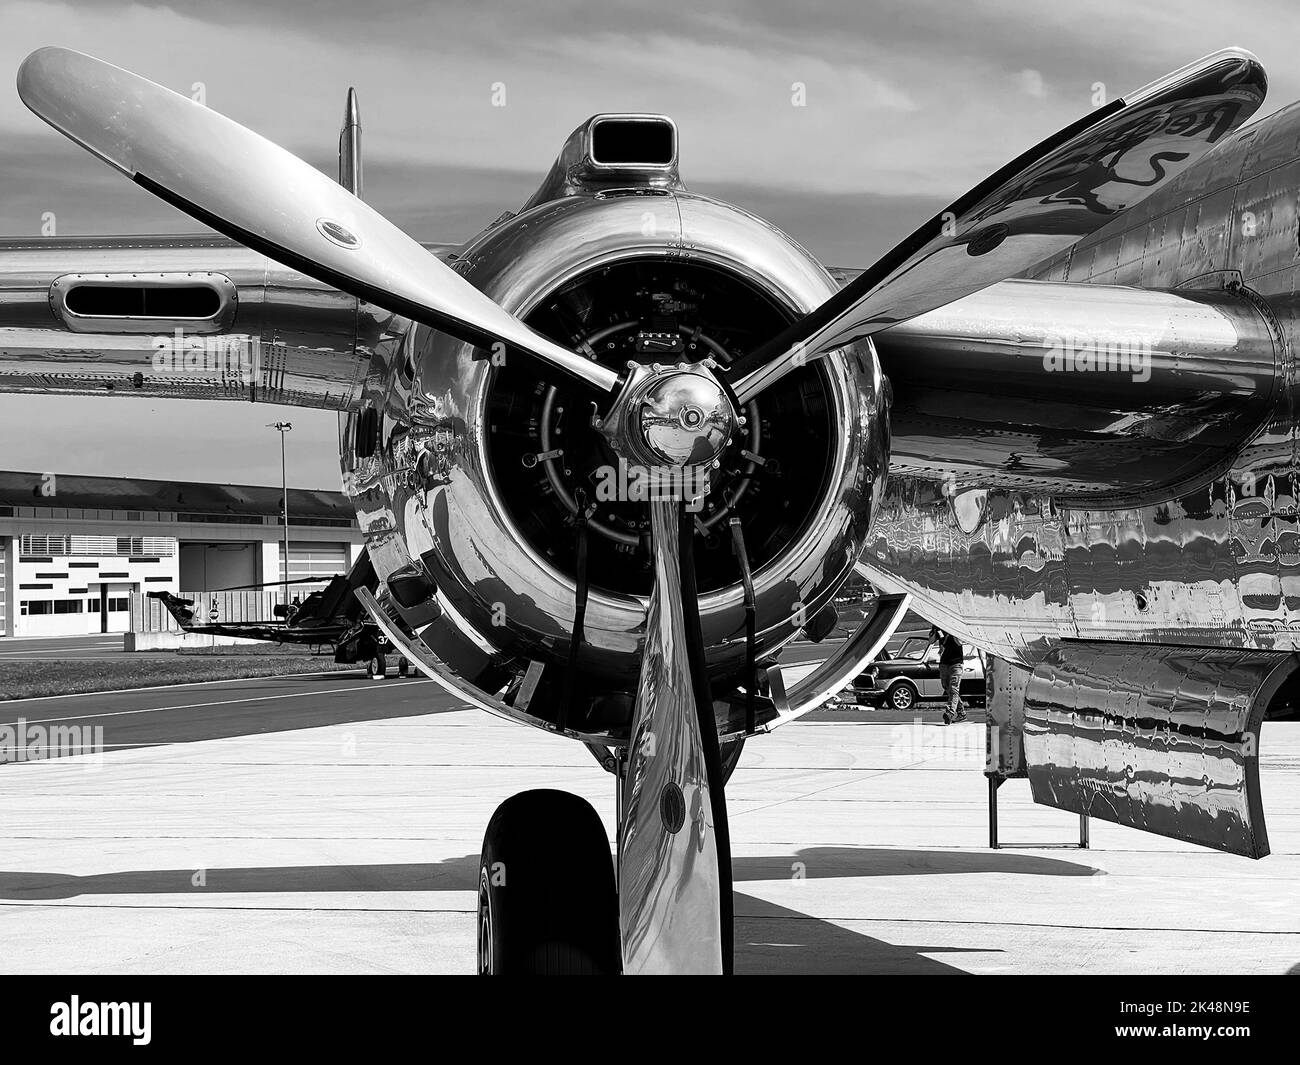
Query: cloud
x=1031, y=83
x=905, y=96
x=909, y=103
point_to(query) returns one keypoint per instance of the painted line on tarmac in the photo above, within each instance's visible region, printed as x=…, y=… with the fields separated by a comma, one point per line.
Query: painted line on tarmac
x=188, y=706
x=55, y=652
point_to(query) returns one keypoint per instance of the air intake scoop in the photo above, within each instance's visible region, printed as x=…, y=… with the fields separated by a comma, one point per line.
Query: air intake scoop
x=613, y=151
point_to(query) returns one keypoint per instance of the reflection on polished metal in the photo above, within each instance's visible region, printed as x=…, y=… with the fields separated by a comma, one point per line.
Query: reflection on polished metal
x=674, y=417
x=668, y=873
x=455, y=679
x=1068, y=186
x=684, y=419
x=1165, y=739
x=254, y=191
x=1126, y=391
x=1004, y=722
x=849, y=659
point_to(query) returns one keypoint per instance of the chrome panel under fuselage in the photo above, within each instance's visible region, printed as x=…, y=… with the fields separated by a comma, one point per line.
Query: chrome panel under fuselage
x=1163, y=739
x=1216, y=561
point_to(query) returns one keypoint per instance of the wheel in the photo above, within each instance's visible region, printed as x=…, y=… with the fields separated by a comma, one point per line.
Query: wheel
x=547, y=904
x=378, y=666
x=403, y=667
x=902, y=696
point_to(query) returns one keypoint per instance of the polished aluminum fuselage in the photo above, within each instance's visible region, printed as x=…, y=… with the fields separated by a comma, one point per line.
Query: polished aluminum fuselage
x=1015, y=561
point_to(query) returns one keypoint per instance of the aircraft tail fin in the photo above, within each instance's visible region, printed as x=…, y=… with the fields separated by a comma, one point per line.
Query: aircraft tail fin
x=178, y=608
x=350, y=146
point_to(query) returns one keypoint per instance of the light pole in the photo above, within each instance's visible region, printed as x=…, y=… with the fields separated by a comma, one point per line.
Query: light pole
x=284, y=427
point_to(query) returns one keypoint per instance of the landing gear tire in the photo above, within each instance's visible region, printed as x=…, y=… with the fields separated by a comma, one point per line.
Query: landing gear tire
x=902, y=697
x=378, y=667
x=403, y=667
x=547, y=903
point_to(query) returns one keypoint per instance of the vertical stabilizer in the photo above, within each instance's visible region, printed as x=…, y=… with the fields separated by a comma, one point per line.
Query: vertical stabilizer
x=350, y=146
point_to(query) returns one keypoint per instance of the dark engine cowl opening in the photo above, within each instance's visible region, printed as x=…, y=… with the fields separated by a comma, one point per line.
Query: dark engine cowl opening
x=546, y=454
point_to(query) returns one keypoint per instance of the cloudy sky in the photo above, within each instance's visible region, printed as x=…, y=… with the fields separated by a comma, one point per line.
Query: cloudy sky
x=907, y=103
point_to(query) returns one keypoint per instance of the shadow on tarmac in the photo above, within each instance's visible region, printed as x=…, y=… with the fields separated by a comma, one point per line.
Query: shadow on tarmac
x=769, y=937
x=254, y=710
x=461, y=874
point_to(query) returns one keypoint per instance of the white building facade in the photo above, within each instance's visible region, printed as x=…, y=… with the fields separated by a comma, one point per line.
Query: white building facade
x=73, y=550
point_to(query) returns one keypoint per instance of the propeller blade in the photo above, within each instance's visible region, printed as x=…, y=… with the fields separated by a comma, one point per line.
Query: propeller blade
x=1068, y=186
x=254, y=191
x=674, y=863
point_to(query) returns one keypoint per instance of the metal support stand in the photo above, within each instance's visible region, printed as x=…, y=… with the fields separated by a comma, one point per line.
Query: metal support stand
x=995, y=782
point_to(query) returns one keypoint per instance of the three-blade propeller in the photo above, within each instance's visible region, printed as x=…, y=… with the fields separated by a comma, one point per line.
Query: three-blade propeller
x=1059, y=191
x=241, y=184
x=254, y=191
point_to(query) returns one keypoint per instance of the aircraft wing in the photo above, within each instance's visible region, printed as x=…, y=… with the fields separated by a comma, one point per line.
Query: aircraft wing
x=181, y=317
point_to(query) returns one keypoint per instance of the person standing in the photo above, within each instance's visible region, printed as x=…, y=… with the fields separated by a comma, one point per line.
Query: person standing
x=951, y=658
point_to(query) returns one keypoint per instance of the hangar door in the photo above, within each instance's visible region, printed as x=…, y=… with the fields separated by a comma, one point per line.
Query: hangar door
x=311, y=559
x=210, y=567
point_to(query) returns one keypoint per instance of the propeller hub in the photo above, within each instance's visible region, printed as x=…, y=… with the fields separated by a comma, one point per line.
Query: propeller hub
x=682, y=418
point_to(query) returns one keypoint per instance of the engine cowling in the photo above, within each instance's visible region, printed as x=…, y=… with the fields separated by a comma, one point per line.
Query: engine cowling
x=465, y=503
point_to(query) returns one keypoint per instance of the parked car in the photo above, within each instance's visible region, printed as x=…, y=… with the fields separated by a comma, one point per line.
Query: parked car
x=912, y=676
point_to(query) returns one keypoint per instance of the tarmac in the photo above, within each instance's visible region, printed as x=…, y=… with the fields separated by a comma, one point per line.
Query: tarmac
x=59, y=648
x=332, y=824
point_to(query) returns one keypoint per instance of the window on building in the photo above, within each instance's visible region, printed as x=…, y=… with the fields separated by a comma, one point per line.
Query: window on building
x=119, y=603
x=67, y=606
x=46, y=547
x=32, y=607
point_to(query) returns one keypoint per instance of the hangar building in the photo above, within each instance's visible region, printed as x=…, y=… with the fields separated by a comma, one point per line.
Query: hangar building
x=74, y=549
